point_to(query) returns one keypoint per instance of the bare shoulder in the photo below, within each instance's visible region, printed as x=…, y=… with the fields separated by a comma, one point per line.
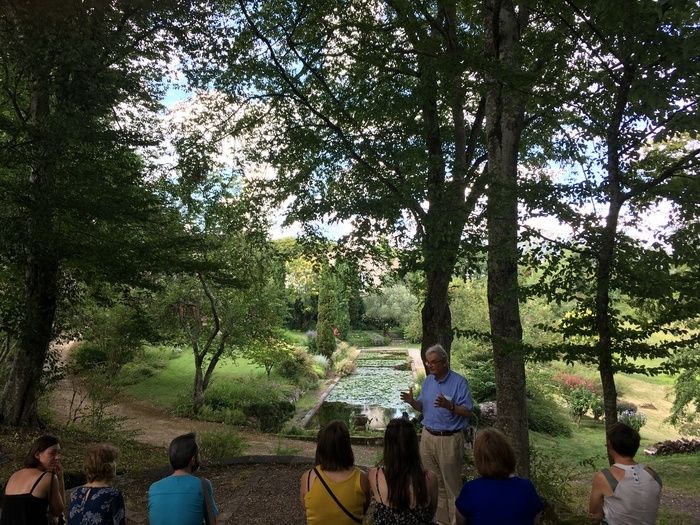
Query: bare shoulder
x=307, y=475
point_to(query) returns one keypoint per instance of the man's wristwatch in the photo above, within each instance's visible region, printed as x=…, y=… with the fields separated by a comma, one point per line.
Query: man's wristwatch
x=452, y=408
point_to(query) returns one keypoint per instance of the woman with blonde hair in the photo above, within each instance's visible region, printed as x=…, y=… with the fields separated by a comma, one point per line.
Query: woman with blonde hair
x=334, y=491
x=97, y=502
x=498, y=496
x=36, y=490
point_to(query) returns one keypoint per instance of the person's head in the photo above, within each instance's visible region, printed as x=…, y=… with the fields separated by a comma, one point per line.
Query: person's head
x=333, y=449
x=494, y=456
x=436, y=361
x=623, y=439
x=402, y=464
x=184, y=452
x=400, y=444
x=44, y=454
x=101, y=462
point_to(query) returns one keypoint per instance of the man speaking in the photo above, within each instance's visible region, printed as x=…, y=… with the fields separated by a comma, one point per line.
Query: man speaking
x=446, y=404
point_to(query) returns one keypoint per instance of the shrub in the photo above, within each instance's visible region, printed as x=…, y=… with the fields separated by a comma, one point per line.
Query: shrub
x=321, y=365
x=598, y=408
x=135, y=372
x=626, y=406
x=298, y=367
x=88, y=355
x=543, y=415
x=552, y=479
x=482, y=380
x=636, y=420
x=311, y=341
x=271, y=416
x=579, y=400
x=218, y=445
x=265, y=401
x=345, y=367
x=569, y=382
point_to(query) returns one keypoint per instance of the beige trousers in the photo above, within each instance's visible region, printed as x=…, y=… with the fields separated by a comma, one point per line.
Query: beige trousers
x=444, y=455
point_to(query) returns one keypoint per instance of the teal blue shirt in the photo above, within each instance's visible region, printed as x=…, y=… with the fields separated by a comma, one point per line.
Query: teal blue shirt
x=453, y=386
x=179, y=500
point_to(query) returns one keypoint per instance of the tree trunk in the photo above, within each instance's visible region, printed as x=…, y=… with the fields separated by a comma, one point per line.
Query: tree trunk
x=504, y=122
x=19, y=397
x=606, y=249
x=198, y=388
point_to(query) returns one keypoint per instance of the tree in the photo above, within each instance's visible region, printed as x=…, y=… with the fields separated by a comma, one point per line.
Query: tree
x=505, y=120
x=269, y=352
x=371, y=114
x=73, y=194
x=233, y=295
x=628, y=119
x=391, y=306
x=327, y=312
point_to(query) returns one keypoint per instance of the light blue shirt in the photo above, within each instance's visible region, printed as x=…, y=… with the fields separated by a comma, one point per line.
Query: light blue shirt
x=179, y=500
x=453, y=386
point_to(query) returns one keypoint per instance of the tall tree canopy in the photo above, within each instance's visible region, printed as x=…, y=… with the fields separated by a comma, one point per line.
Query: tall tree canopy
x=76, y=80
x=370, y=112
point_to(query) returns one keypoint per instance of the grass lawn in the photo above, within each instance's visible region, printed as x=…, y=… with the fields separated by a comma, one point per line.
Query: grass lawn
x=176, y=378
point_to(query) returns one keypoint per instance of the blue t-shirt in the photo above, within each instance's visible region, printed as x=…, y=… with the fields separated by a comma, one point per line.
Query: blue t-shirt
x=96, y=506
x=453, y=386
x=488, y=501
x=179, y=500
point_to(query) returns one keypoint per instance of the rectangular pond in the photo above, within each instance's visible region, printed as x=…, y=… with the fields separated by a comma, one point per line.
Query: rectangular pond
x=369, y=397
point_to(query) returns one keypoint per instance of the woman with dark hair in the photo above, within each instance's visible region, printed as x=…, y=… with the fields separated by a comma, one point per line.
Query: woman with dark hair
x=498, y=496
x=97, y=502
x=403, y=493
x=36, y=489
x=334, y=491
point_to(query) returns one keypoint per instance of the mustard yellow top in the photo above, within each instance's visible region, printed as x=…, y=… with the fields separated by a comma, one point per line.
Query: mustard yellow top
x=322, y=510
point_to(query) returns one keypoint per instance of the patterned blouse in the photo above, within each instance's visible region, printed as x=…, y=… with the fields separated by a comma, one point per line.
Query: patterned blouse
x=96, y=506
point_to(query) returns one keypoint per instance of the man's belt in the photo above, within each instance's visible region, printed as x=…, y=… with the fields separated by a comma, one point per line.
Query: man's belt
x=442, y=432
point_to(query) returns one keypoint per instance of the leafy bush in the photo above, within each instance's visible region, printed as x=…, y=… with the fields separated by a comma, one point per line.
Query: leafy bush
x=569, y=382
x=626, y=406
x=345, y=367
x=321, y=365
x=342, y=352
x=311, y=341
x=268, y=352
x=598, y=408
x=218, y=445
x=135, y=372
x=230, y=416
x=472, y=357
x=265, y=401
x=271, y=416
x=545, y=416
x=579, y=400
x=482, y=380
x=552, y=479
x=299, y=368
x=88, y=355
x=636, y=420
